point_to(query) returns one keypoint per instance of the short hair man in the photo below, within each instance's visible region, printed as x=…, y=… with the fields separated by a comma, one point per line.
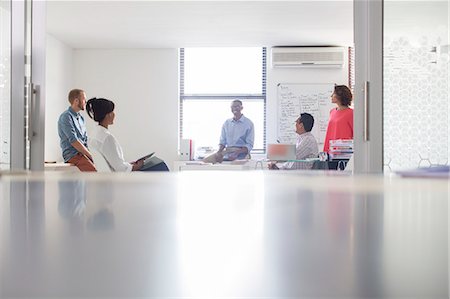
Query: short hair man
x=72, y=133
x=237, y=137
x=306, y=146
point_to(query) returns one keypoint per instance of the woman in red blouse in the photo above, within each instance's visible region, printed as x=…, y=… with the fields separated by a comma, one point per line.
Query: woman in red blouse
x=340, y=125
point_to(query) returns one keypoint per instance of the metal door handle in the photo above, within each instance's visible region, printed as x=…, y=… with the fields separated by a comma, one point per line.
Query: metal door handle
x=366, y=110
x=33, y=94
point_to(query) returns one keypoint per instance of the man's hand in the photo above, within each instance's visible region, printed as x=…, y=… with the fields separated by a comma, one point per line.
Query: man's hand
x=82, y=150
x=137, y=165
x=89, y=156
x=219, y=156
x=273, y=165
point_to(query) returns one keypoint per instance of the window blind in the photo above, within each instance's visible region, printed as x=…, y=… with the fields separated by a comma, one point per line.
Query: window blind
x=224, y=96
x=351, y=68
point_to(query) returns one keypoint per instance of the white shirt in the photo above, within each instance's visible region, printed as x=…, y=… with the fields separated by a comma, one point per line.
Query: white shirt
x=106, y=144
x=306, y=147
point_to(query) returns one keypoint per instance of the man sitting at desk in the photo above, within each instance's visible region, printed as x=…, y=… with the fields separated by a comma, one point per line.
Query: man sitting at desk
x=237, y=138
x=306, y=146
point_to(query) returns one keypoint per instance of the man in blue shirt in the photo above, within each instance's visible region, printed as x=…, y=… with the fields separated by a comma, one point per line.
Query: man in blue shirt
x=237, y=138
x=72, y=132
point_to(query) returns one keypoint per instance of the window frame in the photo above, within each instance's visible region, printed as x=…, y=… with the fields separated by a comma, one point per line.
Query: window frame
x=243, y=97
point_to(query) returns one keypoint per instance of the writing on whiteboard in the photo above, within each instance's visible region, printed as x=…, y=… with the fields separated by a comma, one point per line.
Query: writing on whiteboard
x=294, y=99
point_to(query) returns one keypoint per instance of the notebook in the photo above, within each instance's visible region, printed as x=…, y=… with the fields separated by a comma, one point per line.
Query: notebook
x=150, y=160
x=146, y=157
x=281, y=152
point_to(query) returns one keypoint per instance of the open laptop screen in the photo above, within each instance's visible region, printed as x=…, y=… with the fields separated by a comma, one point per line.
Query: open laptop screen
x=280, y=152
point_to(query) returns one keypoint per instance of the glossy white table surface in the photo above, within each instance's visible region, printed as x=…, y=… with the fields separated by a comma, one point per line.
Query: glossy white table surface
x=196, y=165
x=61, y=167
x=245, y=234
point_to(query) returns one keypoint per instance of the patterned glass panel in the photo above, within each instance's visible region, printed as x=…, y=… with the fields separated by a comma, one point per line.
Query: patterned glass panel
x=5, y=83
x=416, y=84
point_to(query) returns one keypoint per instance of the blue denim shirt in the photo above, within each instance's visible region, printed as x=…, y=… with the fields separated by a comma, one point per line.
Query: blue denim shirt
x=239, y=133
x=71, y=127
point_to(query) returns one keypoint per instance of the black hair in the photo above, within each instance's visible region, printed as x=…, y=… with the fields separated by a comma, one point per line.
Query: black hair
x=98, y=108
x=307, y=120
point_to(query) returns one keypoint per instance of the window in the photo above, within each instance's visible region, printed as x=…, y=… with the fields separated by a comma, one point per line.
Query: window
x=210, y=79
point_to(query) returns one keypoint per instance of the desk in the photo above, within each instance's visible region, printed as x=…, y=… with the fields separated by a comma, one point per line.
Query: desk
x=223, y=234
x=197, y=165
x=259, y=164
x=61, y=167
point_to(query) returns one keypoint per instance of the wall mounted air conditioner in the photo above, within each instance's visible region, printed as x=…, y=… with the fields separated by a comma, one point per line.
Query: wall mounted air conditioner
x=308, y=56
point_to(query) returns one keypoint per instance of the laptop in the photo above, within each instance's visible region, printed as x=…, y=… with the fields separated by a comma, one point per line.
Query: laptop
x=281, y=152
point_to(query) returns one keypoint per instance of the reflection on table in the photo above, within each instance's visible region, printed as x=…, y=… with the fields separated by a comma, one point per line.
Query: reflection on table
x=258, y=234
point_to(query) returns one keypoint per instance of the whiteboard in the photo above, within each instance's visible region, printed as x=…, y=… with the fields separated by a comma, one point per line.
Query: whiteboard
x=296, y=98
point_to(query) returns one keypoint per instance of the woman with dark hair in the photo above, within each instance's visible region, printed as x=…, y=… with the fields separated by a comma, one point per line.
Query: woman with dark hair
x=102, y=111
x=340, y=125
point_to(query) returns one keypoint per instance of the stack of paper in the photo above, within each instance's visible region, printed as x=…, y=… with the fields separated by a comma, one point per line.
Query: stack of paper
x=341, y=149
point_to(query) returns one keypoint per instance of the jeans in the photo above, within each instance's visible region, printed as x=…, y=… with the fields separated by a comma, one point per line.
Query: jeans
x=158, y=167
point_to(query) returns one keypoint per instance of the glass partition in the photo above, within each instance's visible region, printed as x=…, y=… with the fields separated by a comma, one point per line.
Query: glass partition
x=416, y=84
x=5, y=83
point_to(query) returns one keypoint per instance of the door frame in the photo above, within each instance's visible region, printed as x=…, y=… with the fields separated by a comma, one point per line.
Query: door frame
x=17, y=114
x=368, y=113
x=27, y=119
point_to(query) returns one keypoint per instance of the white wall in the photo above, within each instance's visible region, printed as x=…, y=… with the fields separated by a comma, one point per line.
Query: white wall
x=59, y=81
x=143, y=84
x=296, y=75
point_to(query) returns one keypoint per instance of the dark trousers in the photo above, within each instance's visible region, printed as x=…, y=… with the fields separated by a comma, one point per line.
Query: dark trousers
x=338, y=164
x=158, y=167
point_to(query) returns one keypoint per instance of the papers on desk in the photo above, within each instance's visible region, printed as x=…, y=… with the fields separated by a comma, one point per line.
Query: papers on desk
x=427, y=172
x=203, y=151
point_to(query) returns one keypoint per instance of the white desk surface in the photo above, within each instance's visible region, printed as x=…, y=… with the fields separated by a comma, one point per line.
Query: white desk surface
x=227, y=165
x=198, y=165
x=60, y=167
x=224, y=234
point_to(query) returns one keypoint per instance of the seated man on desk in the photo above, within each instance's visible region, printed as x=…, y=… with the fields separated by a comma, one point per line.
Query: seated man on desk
x=306, y=146
x=237, y=138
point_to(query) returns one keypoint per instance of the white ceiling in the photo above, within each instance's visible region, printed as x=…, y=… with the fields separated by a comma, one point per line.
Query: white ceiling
x=173, y=24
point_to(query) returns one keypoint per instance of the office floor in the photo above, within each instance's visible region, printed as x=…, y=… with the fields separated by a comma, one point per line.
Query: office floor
x=212, y=234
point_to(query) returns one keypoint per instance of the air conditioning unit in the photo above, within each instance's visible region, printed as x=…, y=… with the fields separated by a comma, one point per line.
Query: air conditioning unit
x=308, y=56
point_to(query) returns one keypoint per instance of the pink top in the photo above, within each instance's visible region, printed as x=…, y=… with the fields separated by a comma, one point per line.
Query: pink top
x=340, y=126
